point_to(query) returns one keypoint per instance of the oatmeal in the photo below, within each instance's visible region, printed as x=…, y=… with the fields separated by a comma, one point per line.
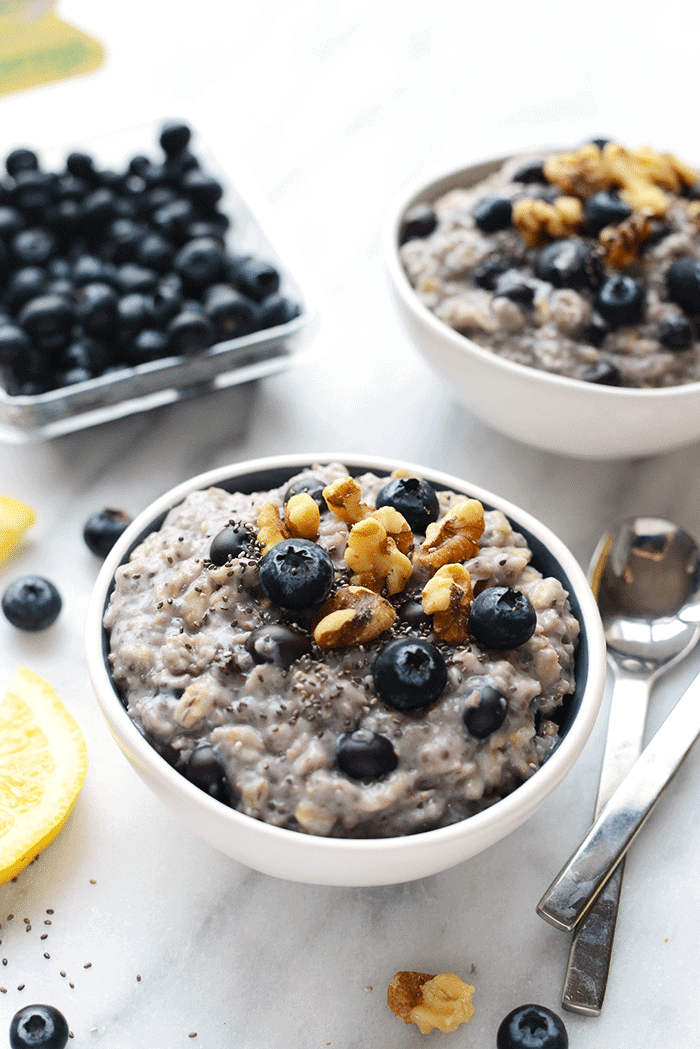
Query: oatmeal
x=343, y=656
x=585, y=264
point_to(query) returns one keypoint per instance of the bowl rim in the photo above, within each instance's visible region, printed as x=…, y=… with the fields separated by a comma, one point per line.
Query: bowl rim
x=523, y=799
x=423, y=189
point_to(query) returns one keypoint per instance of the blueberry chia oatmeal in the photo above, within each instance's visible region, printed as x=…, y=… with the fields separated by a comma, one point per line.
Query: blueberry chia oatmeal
x=343, y=656
x=585, y=264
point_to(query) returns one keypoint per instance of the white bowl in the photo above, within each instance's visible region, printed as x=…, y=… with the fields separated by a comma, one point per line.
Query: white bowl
x=549, y=411
x=336, y=861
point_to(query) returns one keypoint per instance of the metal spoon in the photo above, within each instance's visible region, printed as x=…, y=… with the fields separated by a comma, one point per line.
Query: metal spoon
x=645, y=574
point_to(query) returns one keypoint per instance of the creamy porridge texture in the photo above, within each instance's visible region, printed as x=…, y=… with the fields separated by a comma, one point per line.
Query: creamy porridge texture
x=586, y=264
x=354, y=657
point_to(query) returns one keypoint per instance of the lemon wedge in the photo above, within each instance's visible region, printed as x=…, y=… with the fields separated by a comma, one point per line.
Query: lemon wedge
x=43, y=761
x=15, y=519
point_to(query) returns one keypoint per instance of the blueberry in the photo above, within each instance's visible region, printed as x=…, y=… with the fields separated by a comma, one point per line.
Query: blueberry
x=11, y=222
x=411, y=612
x=277, y=309
x=255, y=278
x=82, y=166
x=205, y=770
x=203, y=190
x=532, y=1027
x=512, y=285
x=418, y=222
x=230, y=542
x=177, y=166
x=159, y=197
x=488, y=714
x=72, y=375
x=14, y=343
x=23, y=285
x=96, y=308
x=155, y=253
x=97, y=211
x=621, y=300
x=48, y=320
x=103, y=528
x=86, y=352
x=492, y=214
x=148, y=345
x=593, y=333
x=604, y=209
x=138, y=163
x=568, y=264
x=531, y=171
x=132, y=277
x=174, y=136
x=278, y=644
x=124, y=238
x=31, y=603
x=172, y=220
x=189, y=332
x=296, y=574
x=414, y=498
x=134, y=313
x=502, y=618
x=40, y=1026
x=602, y=373
x=68, y=187
x=87, y=269
x=365, y=755
x=21, y=160
x=33, y=247
x=201, y=263
x=33, y=193
x=167, y=302
x=231, y=313
x=410, y=674
x=683, y=284
x=601, y=143
x=487, y=272
x=312, y=486
x=676, y=333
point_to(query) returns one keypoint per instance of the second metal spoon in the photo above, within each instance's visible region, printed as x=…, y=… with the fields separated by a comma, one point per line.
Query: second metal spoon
x=645, y=574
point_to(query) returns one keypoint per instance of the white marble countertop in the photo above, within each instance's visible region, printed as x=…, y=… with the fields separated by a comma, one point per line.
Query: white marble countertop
x=333, y=108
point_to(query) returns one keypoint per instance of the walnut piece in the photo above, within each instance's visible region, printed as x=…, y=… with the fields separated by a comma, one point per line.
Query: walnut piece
x=353, y=616
x=623, y=241
x=455, y=537
x=375, y=559
x=448, y=597
x=443, y=1001
x=344, y=498
x=301, y=520
x=537, y=221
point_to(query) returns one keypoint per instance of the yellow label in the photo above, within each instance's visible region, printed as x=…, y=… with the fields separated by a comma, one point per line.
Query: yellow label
x=37, y=47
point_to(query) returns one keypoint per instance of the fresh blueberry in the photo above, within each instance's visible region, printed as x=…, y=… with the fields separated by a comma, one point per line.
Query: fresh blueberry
x=512, y=285
x=201, y=263
x=532, y=1027
x=203, y=190
x=488, y=714
x=40, y=1027
x=621, y=300
x=593, y=333
x=88, y=269
x=33, y=247
x=230, y=542
x=32, y=194
x=413, y=497
x=159, y=197
x=123, y=239
x=296, y=574
x=418, y=223
x=11, y=222
x=138, y=163
x=487, y=272
x=98, y=210
x=21, y=159
x=502, y=618
x=174, y=136
x=134, y=313
x=205, y=770
x=189, y=332
x=531, y=171
x=155, y=253
x=277, y=309
x=278, y=644
x=604, y=209
x=86, y=352
x=167, y=301
x=72, y=375
x=177, y=166
x=14, y=343
x=96, y=308
x=492, y=214
x=683, y=284
x=231, y=313
x=23, y=285
x=411, y=612
x=676, y=333
x=365, y=755
x=312, y=486
x=48, y=320
x=68, y=187
x=31, y=603
x=255, y=278
x=103, y=528
x=568, y=264
x=148, y=345
x=172, y=220
x=410, y=674
x=82, y=166
x=602, y=373
x=132, y=277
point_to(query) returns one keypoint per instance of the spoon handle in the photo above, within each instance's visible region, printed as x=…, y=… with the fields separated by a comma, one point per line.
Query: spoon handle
x=581, y=879
x=590, y=953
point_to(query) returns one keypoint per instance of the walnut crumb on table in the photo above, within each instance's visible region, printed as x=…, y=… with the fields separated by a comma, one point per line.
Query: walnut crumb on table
x=443, y=1001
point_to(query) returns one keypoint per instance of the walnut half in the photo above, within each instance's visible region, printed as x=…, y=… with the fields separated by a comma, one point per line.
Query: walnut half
x=443, y=1001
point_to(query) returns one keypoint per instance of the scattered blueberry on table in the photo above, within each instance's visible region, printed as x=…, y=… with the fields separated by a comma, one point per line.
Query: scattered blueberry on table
x=103, y=270
x=532, y=1027
x=31, y=603
x=39, y=1026
x=103, y=528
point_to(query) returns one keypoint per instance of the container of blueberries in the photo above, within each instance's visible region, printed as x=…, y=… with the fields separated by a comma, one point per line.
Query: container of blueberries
x=133, y=273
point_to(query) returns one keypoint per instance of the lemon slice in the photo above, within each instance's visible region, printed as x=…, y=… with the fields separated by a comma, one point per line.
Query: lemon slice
x=43, y=761
x=15, y=519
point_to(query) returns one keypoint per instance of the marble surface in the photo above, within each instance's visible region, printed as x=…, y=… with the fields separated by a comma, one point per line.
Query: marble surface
x=333, y=108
